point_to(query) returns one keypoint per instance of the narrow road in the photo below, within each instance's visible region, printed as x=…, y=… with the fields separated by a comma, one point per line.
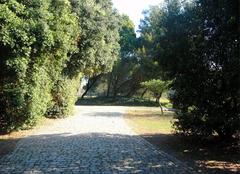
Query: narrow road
x=96, y=140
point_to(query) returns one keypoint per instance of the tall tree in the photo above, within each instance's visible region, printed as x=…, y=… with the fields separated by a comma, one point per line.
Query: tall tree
x=121, y=75
x=98, y=46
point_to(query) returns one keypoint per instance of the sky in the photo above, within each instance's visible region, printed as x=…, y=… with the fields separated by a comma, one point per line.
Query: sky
x=134, y=8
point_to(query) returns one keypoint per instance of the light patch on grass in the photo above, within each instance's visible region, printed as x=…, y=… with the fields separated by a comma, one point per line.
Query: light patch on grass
x=221, y=165
x=150, y=121
x=166, y=102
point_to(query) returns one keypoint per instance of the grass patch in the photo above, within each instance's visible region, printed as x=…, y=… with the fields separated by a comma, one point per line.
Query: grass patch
x=166, y=102
x=150, y=122
x=206, y=156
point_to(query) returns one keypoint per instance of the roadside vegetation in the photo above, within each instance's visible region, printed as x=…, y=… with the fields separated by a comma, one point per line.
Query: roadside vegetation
x=46, y=47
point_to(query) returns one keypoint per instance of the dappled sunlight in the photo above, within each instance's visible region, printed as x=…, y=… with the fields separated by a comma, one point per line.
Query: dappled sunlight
x=221, y=165
x=87, y=152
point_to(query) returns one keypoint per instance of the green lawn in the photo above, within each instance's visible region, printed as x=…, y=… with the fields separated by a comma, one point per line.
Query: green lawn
x=150, y=122
x=166, y=102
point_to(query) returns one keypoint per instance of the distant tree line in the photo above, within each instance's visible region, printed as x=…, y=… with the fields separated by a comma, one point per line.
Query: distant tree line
x=46, y=47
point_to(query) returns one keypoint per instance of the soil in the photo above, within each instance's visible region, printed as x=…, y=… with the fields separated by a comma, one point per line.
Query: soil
x=208, y=157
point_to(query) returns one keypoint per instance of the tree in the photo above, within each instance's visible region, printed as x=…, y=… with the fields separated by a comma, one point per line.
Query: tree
x=197, y=46
x=35, y=40
x=157, y=87
x=91, y=82
x=122, y=71
x=134, y=65
x=98, y=46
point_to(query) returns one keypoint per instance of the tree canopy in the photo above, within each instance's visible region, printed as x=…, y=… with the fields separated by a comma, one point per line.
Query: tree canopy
x=46, y=46
x=157, y=87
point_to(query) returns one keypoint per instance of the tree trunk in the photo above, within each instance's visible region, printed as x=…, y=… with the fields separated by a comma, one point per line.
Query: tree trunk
x=86, y=91
x=158, y=101
x=90, y=84
x=161, y=107
x=131, y=92
x=115, y=89
x=109, y=84
x=144, y=92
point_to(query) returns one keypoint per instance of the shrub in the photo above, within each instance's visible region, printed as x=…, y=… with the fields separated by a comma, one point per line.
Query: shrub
x=64, y=96
x=35, y=40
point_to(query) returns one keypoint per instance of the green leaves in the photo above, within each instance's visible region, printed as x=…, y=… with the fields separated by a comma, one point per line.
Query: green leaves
x=36, y=38
x=45, y=45
x=156, y=86
x=197, y=46
x=98, y=46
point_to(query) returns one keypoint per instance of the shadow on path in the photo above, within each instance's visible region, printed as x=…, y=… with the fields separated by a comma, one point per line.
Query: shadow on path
x=104, y=114
x=88, y=153
x=220, y=157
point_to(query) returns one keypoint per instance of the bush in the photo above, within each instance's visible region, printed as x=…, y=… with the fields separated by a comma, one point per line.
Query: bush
x=64, y=96
x=35, y=40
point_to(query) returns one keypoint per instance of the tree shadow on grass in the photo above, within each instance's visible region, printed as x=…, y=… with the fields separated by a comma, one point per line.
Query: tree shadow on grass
x=210, y=156
x=88, y=153
x=119, y=101
x=105, y=114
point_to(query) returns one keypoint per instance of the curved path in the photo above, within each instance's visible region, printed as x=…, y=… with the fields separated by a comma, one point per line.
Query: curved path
x=95, y=140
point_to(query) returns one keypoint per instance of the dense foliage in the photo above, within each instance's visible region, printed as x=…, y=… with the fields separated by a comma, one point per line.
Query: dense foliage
x=133, y=66
x=197, y=46
x=35, y=40
x=98, y=47
x=124, y=68
x=42, y=44
x=97, y=51
x=121, y=78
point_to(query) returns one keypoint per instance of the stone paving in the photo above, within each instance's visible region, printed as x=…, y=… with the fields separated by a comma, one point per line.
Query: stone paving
x=96, y=140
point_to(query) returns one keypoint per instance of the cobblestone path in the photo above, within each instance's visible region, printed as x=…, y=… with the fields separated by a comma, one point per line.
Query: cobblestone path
x=96, y=141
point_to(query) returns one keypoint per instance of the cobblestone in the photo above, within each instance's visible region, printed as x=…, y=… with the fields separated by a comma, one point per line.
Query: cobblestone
x=96, y=140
